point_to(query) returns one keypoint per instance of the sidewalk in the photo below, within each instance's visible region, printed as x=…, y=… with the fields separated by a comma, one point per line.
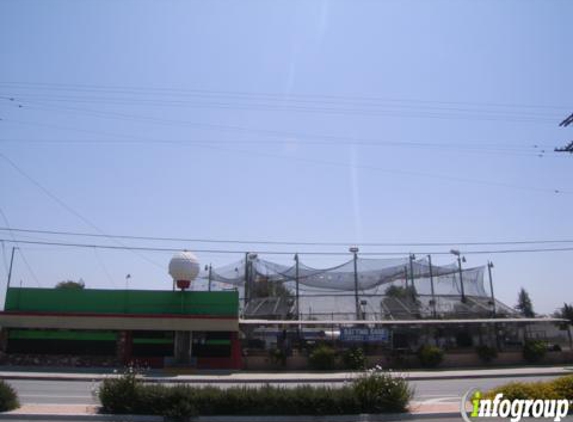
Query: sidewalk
x=89, y=413
x=172, y=376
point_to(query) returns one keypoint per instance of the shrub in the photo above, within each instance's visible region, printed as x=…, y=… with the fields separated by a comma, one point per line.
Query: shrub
x=563, y=387
x=354, y=358
x=524, y=390
x=278, y=356
x=430, y=356
x=372, y=393
x=382, y=392
x=120, y=395
x=559, y=388
x=322, y=358
x=486, y=353
x=534, y=350
x=8, y=397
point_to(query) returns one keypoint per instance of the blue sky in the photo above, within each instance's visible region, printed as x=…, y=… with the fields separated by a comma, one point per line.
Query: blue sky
x=311, y=121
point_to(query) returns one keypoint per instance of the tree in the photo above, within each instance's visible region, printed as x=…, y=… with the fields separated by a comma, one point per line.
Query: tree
x=566, y=312
x=524, y=305
x=71, y=285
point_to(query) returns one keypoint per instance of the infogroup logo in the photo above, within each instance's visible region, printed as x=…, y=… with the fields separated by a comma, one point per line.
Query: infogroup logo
x=514, y=410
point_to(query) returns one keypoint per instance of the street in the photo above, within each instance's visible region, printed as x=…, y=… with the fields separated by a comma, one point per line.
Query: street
x=80, y=392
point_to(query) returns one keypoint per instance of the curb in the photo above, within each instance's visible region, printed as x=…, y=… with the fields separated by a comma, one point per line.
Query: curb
x=214, y=380
x=259, y=418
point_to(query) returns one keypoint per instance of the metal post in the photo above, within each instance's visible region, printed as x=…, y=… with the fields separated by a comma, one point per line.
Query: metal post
x=432, y=287
x=412, y=258
x=354, y=250
x=489, y=267
x=406, y=275
x=246, y=289
x=413, y=292
x=10, y=269
x=461, y=279
x=210, y=276
x=297, y=287
x=459, y=255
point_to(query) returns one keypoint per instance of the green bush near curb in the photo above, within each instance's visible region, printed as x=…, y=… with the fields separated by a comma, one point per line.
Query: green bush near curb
x=534, y=350
x=430, y=356
x=8, y=397
x=354, y=359
x=559, y=388
x=373, y=392
x=486, y=353
x=322, y=358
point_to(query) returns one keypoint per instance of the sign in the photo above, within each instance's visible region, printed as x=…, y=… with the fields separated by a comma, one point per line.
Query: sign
x=365, y=335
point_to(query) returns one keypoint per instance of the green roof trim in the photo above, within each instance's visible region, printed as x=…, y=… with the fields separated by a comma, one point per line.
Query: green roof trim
x=134, y=302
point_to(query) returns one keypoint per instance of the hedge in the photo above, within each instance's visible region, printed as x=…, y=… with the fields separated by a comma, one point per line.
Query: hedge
x=373, y=392
x=559, y=388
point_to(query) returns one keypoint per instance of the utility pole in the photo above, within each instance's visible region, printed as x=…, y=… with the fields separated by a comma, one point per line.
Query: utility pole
x=210, y=275
x=434, y=313
x=354, y=250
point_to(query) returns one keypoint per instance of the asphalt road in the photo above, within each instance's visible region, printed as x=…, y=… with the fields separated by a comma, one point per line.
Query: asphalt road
x=80, y=392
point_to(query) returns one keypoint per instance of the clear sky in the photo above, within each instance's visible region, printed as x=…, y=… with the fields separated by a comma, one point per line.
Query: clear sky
x=305, y=121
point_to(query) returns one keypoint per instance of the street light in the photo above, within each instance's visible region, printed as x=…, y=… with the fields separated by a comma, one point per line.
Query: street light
x=460, y=260
x=354, y=250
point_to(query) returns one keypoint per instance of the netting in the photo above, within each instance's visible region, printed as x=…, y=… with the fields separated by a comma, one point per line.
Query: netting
x=421, y=290
x=370, y=274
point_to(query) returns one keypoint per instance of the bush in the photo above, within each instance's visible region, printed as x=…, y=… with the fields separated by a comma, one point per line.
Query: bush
x=524, y=390
x=430, y=356
x=120, y=395
x=534, y=350
x=354, y=358
x=563, y=387
x=381, y=392
x=322, y=358
x=8, y=397
x=486, y=353
x=371, y=393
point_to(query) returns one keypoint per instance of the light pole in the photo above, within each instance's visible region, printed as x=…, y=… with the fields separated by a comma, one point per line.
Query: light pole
x=489, y=267
x=460, y=260
x=354, y=250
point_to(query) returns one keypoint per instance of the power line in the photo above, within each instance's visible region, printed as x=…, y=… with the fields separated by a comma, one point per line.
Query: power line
x=221, y=251
x=390, y=171
x=186, y=92
x=64, y=205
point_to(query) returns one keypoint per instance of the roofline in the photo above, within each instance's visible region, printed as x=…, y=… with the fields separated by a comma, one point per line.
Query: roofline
x=401, y=321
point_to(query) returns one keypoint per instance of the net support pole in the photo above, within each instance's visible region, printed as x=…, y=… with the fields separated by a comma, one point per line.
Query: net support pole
x=297, y=287
x=489, y=267
x=354, y=250
x=10, y=269
x=246, y=290
x=413, y=292
x=412, y=257
x=434, y=313
x=461, y=278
